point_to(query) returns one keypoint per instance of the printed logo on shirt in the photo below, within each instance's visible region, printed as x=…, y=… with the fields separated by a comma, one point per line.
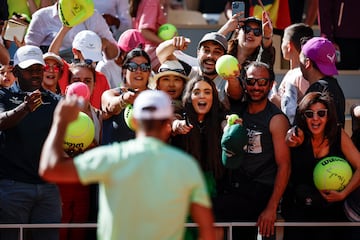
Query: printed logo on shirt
x=16, y=100
x=254, y=143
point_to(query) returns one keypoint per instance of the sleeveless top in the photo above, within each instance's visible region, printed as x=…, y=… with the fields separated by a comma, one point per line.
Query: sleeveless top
x=259, y=160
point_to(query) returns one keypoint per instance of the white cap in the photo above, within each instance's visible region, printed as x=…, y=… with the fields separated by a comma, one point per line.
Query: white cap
x=89, y=43
x=152, y=104
x=28, y=55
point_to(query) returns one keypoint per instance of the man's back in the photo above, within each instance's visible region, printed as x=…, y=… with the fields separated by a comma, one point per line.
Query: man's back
x=159, y=181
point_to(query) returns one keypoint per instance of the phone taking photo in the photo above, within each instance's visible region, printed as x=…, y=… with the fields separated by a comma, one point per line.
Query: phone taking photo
x=238, y=6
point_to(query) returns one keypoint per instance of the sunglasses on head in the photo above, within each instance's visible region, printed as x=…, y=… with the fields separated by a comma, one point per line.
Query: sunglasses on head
x=56, y=68
x=257, y=31
x=260, y=81
x=86, y=61
x=132, y=67
x=320, y=113
x=182, y=71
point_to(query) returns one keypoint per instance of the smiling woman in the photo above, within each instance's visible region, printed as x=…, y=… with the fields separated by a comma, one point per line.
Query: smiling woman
x=318, y=136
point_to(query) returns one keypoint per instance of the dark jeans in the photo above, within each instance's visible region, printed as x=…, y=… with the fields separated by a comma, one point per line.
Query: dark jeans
x=243, y=203
x=26, y=203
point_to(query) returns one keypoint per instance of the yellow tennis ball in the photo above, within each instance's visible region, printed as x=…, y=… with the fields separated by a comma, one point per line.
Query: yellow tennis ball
x=128, y=116
x=332, y=173
x=231, y=119
x=79, y=133
x=226, y=65
x=167, y=31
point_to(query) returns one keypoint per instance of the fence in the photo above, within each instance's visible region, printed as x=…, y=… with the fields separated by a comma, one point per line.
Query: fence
x=228, y=225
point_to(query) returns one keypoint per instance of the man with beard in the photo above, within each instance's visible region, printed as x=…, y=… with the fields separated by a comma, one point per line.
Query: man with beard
x=211, y=47
x=260, y=173
x=25, y=119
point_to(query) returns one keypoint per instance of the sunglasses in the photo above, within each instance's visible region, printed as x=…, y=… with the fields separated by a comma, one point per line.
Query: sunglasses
x=56, y=68
x=257, y=31
x=132, y=67
x=260, y=81
x=320, y=113
x=86, y=61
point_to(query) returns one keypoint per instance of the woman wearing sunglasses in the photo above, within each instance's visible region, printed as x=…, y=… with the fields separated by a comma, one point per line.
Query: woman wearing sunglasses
x=251, y=39
x=53, y=71
x=317, y=136
x=136, y=73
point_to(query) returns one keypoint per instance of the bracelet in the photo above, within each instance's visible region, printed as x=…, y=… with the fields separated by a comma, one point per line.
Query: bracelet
x=122, y=101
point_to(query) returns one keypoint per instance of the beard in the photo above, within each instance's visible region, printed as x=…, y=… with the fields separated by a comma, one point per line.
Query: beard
x=258, y=98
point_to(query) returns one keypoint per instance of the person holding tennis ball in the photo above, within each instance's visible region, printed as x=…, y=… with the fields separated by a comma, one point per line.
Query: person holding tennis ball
x=317, y=136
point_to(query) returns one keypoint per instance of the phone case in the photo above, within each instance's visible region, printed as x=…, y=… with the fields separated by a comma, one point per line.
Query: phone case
x=238, y=6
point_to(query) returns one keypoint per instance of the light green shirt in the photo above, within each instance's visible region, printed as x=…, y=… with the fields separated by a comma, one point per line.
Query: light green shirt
x=20, y=6
x=145, y=188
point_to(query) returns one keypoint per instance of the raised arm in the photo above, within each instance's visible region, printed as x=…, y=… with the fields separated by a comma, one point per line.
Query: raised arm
x=58, y=40
x=165, y=50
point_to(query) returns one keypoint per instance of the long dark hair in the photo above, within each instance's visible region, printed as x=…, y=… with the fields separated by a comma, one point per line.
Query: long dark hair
x=310, y=99
x=133, y=7
x=203, y=141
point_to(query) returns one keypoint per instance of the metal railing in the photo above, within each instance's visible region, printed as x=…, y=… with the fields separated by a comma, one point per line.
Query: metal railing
x=228, y=225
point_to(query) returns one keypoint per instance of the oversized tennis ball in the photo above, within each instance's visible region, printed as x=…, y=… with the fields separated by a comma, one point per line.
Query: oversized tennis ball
x=231, y=119
x=79, y=133
x=128, y=116
x=74, y=12
x=167, y=31
x=332, y=173
x=226, y=65
x=79, y=89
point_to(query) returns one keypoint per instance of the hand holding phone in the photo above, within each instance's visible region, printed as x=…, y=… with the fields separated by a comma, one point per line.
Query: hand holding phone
x=186, y=119
x=237, y=7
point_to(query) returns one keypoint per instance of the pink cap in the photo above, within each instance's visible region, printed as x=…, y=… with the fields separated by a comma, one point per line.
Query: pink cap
x=321, y=51
x=130, y=39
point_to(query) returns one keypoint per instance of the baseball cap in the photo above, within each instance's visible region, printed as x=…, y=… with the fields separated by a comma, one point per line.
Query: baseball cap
x=216, y=37
x=170, y=67
x=130, y=39
x=53, y=56
x=28, y=55
x=152, y=104
x=321, y=51
x=254, y=20
x=232, y=143
x=89, y=43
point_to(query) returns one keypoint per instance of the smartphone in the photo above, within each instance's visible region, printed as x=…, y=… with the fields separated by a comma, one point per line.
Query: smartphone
x=186, y=119
x=238, y=6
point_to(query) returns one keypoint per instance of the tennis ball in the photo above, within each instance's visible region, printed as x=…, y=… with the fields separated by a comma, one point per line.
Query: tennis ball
x=128, y=116
x=79, y=89
x=79, y=133
x=226, y=65
x=332, y=173
x=167, y=31
x=231, y=119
